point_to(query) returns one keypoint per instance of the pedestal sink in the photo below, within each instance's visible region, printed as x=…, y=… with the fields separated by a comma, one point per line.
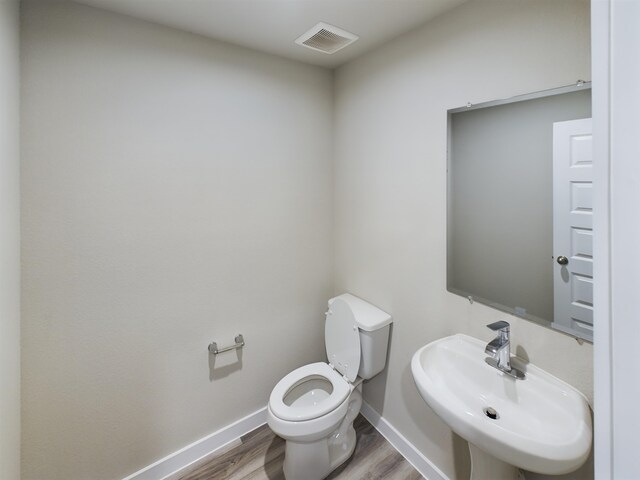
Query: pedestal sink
x=541, y=424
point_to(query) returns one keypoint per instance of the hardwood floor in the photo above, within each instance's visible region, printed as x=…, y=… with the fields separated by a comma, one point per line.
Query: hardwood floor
x=260, y=454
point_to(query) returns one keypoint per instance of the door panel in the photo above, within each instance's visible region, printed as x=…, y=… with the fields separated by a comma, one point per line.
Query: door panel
x=573, y=226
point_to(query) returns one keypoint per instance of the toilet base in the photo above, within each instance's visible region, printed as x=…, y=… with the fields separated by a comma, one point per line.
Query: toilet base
x=316, y=460
x=340, y=453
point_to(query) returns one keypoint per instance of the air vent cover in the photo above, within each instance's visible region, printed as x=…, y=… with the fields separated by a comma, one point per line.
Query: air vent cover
x=326, y=38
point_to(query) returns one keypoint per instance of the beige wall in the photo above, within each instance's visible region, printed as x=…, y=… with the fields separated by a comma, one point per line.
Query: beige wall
x=176, y=191
x=390, y=187
x=9, y=241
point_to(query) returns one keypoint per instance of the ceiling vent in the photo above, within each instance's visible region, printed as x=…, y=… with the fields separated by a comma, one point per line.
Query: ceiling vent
x=326, y=38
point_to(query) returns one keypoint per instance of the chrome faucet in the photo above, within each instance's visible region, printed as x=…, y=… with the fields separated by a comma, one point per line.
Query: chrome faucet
x=500, y=350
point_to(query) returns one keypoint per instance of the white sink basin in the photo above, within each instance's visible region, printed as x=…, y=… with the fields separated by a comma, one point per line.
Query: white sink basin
x=543, y=424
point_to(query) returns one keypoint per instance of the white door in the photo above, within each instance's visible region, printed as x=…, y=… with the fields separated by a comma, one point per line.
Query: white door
x=573, y=227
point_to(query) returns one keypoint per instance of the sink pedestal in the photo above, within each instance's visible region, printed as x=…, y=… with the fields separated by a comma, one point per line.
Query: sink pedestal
x=484, y=466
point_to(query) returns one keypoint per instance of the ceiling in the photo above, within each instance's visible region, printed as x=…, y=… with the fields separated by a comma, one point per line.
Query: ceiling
x=272, y=25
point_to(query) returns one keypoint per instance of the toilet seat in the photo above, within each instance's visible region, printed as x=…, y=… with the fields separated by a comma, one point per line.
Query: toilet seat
x=298, y=413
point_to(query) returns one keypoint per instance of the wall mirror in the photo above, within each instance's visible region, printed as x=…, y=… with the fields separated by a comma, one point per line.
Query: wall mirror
x=519, y=207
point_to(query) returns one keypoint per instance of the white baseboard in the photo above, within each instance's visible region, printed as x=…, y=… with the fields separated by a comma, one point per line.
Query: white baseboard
x=168, y=466
x=171, y=464
x=421, y=463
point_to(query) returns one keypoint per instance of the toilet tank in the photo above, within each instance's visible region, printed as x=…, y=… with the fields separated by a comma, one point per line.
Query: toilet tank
x=373, y=351
x=373, y=328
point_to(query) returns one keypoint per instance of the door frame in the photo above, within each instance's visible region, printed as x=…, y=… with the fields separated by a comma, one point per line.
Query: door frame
x=616, y=103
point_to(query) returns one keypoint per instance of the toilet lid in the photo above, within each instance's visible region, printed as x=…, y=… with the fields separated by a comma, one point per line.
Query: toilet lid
x=342, y=339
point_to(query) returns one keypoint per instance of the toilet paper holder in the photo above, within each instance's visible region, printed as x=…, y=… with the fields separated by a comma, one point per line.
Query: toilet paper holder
x=214, y=350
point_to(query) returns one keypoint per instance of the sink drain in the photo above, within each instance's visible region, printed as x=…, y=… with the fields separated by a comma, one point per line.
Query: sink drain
x=491, y=413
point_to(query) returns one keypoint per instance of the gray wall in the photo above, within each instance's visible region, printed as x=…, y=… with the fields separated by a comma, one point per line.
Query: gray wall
x=176, y=191
x=390, y=202
x=500, y=225
x=9, y=241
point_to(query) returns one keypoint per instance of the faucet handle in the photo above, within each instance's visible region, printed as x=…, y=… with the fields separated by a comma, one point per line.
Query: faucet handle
x=500, y=325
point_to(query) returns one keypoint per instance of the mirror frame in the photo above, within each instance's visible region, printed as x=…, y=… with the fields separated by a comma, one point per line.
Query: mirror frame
x=580, y=85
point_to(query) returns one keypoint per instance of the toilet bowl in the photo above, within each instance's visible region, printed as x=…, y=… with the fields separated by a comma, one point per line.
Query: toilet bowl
x=309, y=403
x=313, y=409
x=314, y=406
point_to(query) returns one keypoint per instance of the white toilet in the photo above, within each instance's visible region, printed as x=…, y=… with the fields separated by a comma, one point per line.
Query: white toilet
x=313, y=407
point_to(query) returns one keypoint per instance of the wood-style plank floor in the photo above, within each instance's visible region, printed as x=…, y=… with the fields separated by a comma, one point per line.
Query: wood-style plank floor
x=260, y=454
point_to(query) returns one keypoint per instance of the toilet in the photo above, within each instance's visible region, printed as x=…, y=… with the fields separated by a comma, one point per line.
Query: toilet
x=313, y=407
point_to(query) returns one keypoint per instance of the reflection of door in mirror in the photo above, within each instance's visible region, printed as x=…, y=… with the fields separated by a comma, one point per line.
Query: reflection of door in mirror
x=573, y=227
